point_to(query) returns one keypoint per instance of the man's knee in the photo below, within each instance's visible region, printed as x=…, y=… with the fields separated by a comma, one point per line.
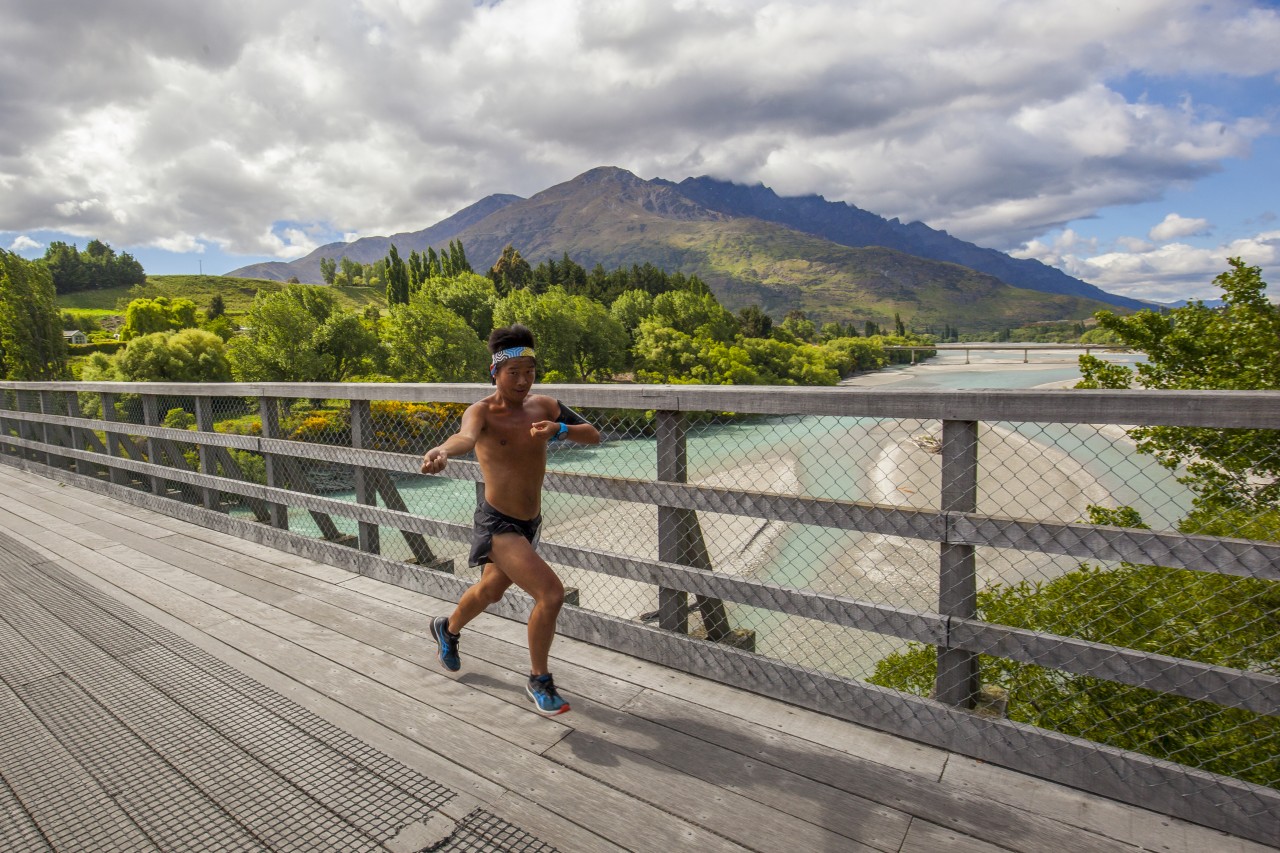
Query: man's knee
x=551, y=594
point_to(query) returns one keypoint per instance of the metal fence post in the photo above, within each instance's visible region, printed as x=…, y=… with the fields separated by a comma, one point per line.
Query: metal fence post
x=957, y=678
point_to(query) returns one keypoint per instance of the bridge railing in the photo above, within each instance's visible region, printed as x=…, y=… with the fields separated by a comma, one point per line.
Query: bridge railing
x=920, y=562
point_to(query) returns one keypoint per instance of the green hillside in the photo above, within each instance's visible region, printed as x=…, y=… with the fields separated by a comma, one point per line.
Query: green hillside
x=237, y=294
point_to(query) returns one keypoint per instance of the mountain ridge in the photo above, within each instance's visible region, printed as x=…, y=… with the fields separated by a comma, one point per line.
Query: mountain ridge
x=740, y=240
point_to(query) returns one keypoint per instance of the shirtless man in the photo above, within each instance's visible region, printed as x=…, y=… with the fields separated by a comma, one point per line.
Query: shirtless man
x=509, y=431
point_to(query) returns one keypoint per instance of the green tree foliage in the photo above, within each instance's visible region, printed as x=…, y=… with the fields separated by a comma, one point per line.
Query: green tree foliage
x=427, y=342
x=697, y=315
x=217, y=307
x=148, y=316
x=31, y=344
x=796, y=327
x=298, y=335
x=1215, y=619
x=630, y=308
x=397, y=278
x=189, y=355
x=577, y=338
x=754, y=322
x=511, y=271
x=1235, y=472
x=470, y=296
x=328, y=270
x=96, y=267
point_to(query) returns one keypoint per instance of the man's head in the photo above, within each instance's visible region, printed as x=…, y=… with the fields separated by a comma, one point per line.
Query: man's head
x=511, y=347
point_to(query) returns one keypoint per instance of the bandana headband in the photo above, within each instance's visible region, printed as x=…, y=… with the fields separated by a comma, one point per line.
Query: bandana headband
x=512, y=352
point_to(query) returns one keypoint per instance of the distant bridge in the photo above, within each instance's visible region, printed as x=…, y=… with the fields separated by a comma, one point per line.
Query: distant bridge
x=1026, y=348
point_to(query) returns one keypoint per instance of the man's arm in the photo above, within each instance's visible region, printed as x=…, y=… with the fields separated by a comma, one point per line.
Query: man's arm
x=575, y=427
x=462, y=441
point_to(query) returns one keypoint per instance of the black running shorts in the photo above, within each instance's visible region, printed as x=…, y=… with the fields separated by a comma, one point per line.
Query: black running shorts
x=489, y=523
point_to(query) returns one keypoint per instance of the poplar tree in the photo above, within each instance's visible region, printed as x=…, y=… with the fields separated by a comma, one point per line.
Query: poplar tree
x=31, y=344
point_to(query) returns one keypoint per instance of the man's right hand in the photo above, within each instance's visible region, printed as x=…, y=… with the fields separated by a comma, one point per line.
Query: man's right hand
x=434, y=461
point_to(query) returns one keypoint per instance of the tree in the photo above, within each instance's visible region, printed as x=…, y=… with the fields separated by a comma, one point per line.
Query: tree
x=31, y=343
x=754, y=322
x=796, y=327
x=510, y=272
x=347, y=346
x=328, y=270
x=630, y=308
x=148, y=316
x=427, y=342
x=1234, y=474
x=577, y=339
x=472, y=298
x=190, y=355
x=278, y=344
x=397, y=279
x=1215, y=619
x=216, y=307
x=694, y=314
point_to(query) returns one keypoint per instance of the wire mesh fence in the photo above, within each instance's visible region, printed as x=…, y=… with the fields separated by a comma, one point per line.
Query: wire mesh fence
x=1099, y=580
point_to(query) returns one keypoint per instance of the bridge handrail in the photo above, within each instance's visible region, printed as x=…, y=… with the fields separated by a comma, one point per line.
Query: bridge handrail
x=38, y=430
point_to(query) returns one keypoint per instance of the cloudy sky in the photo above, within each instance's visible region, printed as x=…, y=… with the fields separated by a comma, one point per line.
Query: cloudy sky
x=1133, y=143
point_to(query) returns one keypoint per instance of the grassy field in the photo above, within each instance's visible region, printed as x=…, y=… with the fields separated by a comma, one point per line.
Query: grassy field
x=237, y=294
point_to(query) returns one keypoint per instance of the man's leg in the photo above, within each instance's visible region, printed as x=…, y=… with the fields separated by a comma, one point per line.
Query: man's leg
x=488, y=590
x=521, y=565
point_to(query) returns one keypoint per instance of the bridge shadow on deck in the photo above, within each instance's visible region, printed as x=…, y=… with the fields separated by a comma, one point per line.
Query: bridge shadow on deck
x=164, y=686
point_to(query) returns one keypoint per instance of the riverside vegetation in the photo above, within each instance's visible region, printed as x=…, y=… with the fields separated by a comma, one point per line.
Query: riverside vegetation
x=1234, y=476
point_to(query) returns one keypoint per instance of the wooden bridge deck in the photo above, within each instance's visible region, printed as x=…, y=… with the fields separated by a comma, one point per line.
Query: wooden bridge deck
x=165, y=686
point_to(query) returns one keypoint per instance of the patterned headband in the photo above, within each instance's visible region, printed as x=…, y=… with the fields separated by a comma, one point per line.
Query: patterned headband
x=512, y=352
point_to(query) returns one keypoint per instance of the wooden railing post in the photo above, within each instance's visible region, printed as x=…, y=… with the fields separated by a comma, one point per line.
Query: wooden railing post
x=269, y=412
x=957, y=679
x=680, y=537
x=119, y=476
x=151, y=417
x=366, y=487
x=673, y=467
x=211, y=498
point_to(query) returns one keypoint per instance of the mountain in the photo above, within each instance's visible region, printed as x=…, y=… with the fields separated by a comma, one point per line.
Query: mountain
x=851, y=226
x=610, y=217
x=366, y=250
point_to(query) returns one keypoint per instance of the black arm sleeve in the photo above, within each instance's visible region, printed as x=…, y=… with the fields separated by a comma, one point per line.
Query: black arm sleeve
x=568, y=415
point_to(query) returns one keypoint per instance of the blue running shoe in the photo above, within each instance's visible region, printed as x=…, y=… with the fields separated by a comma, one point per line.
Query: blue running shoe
x=447, y=642
x=542, y=690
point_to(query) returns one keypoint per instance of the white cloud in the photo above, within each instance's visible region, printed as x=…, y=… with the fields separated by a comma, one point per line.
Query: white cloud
x=1174, y=226
x=1165, y=272
x=23, y=243
x=995, y=119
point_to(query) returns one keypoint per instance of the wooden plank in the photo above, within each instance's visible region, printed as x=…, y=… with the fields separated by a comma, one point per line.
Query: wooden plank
x=596, y=807
x=926, y=837
x=968, y=813
x=739, y=818
x=1107, y=817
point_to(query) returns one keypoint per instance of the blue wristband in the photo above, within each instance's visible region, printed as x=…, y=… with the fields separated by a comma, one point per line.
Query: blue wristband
x=564, y=428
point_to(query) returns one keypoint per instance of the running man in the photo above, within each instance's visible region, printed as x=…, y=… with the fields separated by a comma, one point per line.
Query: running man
x=509, y=431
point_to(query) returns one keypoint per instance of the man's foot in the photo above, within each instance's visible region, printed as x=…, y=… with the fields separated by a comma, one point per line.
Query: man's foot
x=447, y=642
x=542, y=690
